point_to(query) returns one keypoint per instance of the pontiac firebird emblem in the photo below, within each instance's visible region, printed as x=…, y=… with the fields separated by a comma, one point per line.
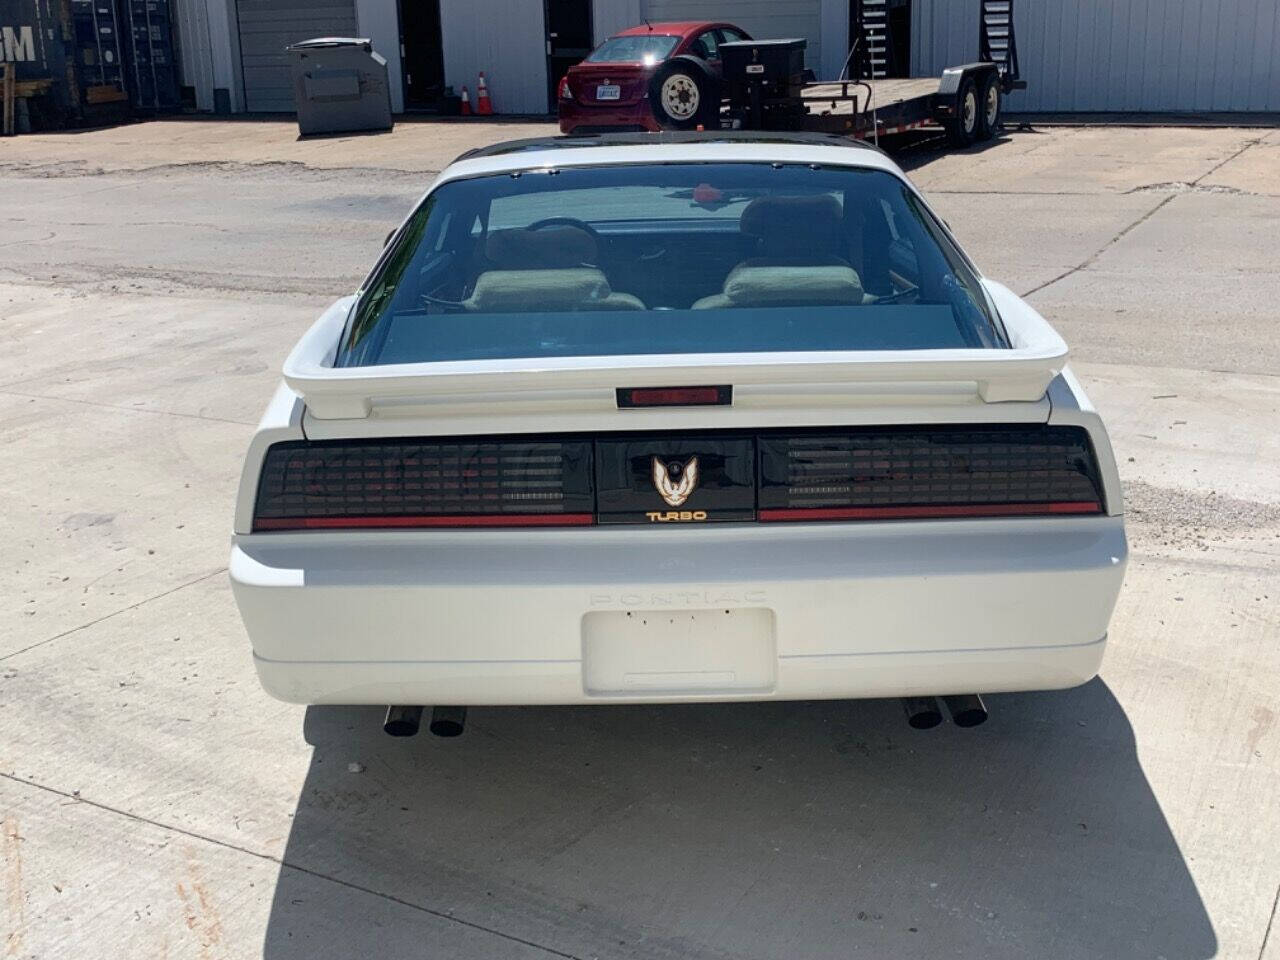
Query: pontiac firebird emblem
x=675, y=493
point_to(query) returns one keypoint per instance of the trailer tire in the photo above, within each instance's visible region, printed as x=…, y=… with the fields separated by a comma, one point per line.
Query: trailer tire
x=963, y=130
x=683, y=94
x=989, y=106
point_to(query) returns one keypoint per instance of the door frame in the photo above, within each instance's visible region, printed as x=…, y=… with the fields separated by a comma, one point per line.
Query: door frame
x=552, y=80
x=415, y=106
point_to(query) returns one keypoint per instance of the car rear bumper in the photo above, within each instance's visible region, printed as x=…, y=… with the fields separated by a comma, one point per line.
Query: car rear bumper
x=729, y=612
x=797, y=678
x=586, y=118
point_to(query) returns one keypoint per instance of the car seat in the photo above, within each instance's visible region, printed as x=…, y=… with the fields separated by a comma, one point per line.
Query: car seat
x=551, y=268
x=796, y=263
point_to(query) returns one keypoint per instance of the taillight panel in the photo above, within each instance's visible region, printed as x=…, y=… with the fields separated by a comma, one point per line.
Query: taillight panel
x=408, y=483
x=863, y=473
x=902, y=473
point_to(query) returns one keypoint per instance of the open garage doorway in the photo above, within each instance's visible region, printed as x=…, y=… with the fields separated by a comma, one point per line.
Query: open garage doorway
x=421, y=54
x=568, y=40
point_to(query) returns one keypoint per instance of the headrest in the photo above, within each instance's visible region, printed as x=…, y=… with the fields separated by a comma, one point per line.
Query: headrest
x=792, y=286
x=499, y=291
x=791, y=216
x=547, y=249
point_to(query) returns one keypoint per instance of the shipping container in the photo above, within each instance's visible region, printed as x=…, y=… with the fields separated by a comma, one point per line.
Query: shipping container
x=153, y=67
x=99, y=61
x=35, y=39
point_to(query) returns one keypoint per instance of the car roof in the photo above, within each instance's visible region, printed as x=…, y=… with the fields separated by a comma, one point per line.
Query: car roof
x=664, y=138
x=671, y=27
x=669, y=146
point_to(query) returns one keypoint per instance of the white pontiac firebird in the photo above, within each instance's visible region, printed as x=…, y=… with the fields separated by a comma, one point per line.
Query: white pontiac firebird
x=676, y=417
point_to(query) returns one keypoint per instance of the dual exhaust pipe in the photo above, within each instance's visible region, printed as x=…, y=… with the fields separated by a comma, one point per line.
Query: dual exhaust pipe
x=445, y=721
x=923, y=713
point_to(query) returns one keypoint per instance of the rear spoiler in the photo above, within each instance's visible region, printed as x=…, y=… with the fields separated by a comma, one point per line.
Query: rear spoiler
x=1021, y=373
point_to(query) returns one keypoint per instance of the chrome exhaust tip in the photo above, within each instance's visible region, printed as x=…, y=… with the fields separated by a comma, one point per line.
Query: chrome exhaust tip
x=923, y=713
x=967, y=710
x=448, y=721
x=402, y=721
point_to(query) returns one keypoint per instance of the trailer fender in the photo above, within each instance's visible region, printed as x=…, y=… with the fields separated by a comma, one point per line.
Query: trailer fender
x=953, y=79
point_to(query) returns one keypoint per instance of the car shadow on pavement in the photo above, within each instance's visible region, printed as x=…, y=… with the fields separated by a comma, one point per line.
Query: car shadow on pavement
x=913, y=150
x=789, y=830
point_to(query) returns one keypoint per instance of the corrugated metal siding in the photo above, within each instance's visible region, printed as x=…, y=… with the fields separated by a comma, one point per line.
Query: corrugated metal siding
x=944, y=33
x=379, y=20
x=1121, y=55
x=266, y=28
x=610, y=16
x=760, y=18
x=191, y=17
x=505, y=40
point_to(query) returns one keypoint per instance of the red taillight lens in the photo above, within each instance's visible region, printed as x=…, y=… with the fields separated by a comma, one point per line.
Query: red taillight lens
x=565, y=92
x=405, y=483
x=425, y=522
x=897, y=473
x=936, y=512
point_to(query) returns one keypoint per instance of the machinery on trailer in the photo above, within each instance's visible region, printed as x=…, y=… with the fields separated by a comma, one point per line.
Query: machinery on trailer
x=766, y=87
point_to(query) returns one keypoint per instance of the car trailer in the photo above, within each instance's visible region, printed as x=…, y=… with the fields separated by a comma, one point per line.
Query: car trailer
x=766, y=87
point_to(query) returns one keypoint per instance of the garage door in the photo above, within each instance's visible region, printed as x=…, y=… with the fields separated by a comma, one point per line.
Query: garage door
x=760, y=18
x=267, y=27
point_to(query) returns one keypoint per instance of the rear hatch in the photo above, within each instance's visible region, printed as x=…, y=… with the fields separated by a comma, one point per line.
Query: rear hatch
x=769, y=382
x=609, y=84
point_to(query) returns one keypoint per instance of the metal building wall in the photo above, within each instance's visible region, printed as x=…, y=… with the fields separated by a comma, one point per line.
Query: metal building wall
x=267, y=27
x=1121, y=55
x=610, y=16
x=224, y=44
x=191, y=17
x=379, y=21
x=507, y=41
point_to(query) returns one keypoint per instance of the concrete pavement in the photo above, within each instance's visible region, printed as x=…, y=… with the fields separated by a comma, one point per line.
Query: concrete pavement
x=194, y=145
x=155, y=803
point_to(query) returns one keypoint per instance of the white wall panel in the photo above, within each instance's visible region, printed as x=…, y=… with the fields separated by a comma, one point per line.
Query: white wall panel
x=267, y=27
x=1121, y=55
x=195, y=49
x=224, y=43
x=504, y=39
x=379, y=22
x=610, y=16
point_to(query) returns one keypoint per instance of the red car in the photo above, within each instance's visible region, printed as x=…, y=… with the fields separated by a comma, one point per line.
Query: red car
x=659, y=70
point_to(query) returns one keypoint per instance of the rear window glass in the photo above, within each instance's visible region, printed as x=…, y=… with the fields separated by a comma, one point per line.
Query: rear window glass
x=668, y=259
x=649, y=48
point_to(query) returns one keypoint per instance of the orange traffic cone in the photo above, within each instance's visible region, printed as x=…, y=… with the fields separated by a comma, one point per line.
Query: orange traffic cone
x=484, y=106
x=466, y=103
